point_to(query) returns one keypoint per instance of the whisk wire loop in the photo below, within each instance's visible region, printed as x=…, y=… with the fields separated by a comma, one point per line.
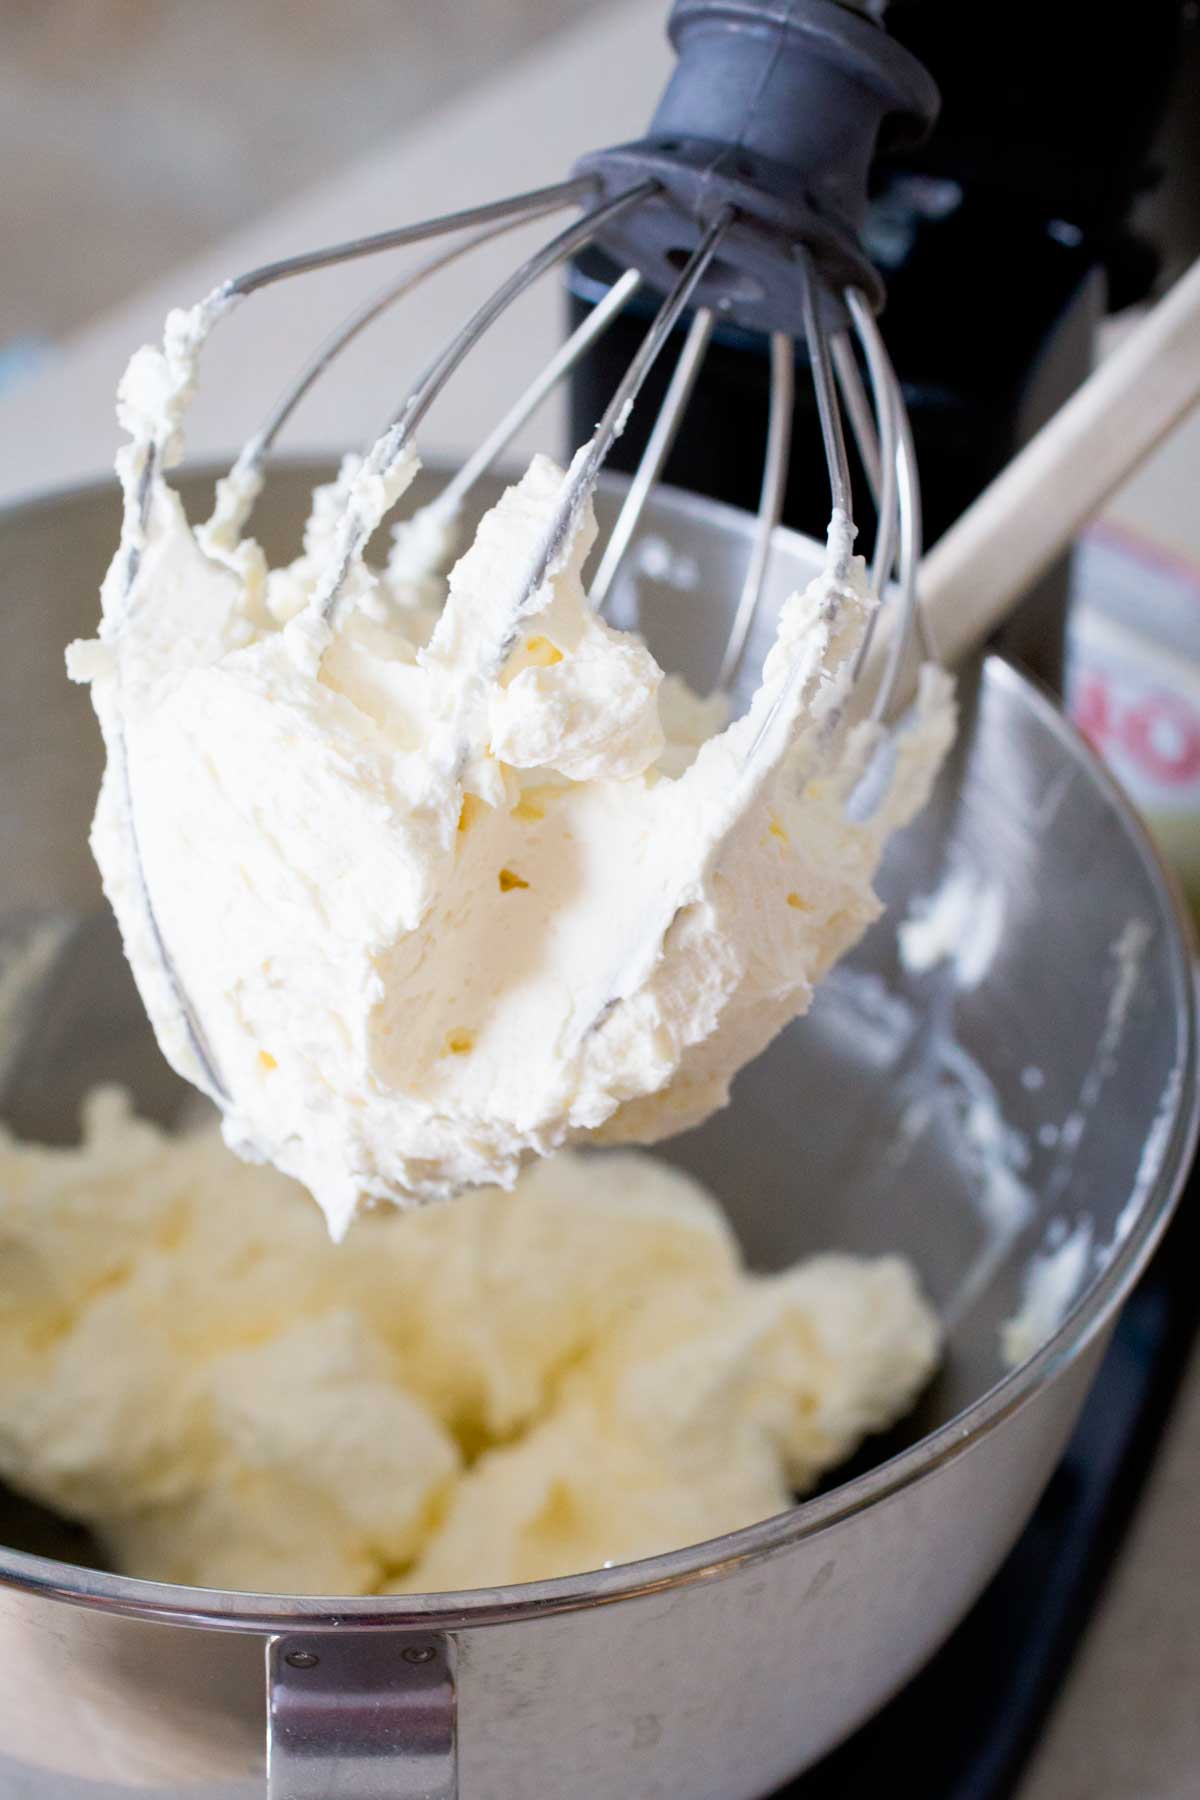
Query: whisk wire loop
x=906, y=510
x=573, y=237
x=874, y=406
x=770, y=507
x=365, y=315
x=450, y=500
x=386, y=451
x=587, y=463
x=858, y=406
x=513, y=206
x=658, y=447
x=828, y=410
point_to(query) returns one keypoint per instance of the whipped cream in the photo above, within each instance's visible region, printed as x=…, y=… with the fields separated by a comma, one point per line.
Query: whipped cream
x=534, y=1384
x=415, y=896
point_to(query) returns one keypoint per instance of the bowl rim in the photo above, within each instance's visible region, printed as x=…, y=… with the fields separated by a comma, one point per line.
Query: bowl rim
x=1094, y=1308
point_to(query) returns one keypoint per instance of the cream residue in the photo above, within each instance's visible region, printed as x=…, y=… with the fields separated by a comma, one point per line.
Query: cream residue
x=1053, y=1281
x=937, y=1085
x=1127, y=953
x=415, y=898
x=962, y=923
x=1150, y=1162
x=577, y=1373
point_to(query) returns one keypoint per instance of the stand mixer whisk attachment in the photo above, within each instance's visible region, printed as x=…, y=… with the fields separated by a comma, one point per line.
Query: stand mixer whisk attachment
x=742, y=204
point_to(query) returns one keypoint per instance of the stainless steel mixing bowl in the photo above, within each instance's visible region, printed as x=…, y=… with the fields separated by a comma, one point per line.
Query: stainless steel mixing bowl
x=974, y=1120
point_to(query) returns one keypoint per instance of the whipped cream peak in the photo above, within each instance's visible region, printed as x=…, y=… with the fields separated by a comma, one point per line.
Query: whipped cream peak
x=418, y=894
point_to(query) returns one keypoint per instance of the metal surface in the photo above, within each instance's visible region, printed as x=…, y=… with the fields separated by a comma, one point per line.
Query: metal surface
x=347, y=1716
x=714, y=1671
x=512, y=206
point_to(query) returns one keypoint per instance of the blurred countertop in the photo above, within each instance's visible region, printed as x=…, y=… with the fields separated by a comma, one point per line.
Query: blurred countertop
x=1127, y=1726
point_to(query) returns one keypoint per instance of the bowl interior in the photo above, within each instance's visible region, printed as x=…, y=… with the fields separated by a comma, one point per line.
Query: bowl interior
x=985, y=1114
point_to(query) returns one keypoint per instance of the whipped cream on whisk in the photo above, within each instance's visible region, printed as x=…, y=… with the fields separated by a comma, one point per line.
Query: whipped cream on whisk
x=416, y=896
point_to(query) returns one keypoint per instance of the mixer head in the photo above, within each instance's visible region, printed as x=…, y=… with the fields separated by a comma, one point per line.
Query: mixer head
x=774, y=113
